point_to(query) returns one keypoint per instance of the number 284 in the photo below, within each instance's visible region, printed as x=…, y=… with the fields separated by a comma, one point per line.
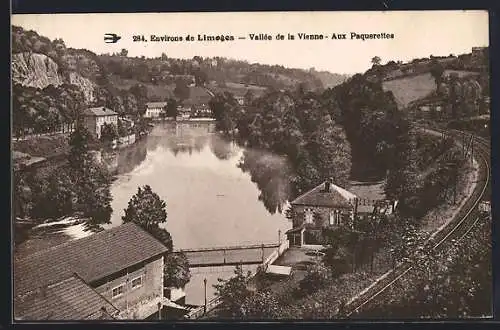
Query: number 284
x=138, y=38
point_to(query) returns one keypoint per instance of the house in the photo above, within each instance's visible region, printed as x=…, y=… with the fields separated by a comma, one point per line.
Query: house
x=184, y=109
x=113, y=274
x=326, y=205
x=95, y=118
x=330, y=206
x=154, y=109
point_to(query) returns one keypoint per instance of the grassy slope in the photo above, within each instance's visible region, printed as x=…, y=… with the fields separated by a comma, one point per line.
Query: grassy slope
x=409, y=89
x=154, y=91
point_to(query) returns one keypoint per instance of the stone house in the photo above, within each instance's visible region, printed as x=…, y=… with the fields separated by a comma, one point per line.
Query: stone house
x=95, y=118
x=113, y=274
x=326, y=205
x=329, y=206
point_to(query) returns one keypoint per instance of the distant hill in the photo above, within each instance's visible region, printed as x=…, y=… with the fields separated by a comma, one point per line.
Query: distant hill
x=329, y=79
x=412, y=81
x=53, y=83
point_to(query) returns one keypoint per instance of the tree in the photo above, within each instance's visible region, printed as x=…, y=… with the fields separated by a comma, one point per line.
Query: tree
x=437, y=71
x=171, y=110
x=376, y=60
x=181, y=90
x=79, y=147
x=148, y=210
x=122, y=128
x=176, y=270
x=93, y=194
x=233, y=293
x=200, y=77
x=108, y=133
x=124, y=52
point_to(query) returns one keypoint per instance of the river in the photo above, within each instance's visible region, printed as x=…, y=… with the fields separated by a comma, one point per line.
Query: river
x=217, y=193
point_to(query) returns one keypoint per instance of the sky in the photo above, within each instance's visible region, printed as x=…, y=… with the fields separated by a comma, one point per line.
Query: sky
x=416, y=34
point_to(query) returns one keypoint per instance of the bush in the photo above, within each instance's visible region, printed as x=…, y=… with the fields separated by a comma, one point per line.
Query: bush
x=316, y=277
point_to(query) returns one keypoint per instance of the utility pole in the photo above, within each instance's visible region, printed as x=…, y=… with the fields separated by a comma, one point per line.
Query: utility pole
x=205, y=306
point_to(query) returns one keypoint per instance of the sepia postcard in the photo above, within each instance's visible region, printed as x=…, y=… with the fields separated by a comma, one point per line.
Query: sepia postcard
x=251, y=166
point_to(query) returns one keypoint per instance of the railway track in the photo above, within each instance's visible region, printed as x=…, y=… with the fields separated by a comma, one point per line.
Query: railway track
x=462, y=224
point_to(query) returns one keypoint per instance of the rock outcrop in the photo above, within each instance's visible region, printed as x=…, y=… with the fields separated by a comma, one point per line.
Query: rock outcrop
x=35, y=70
x=39, y=71
x=85, y=85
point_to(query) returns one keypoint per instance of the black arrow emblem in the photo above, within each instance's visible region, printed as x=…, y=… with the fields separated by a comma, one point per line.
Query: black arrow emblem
x=111, y=38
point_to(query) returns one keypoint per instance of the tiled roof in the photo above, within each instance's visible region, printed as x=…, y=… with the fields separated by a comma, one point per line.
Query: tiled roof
x=100, y=111
x=156, y=104
x=92, y=257
x=336, y=197
x=70, y=299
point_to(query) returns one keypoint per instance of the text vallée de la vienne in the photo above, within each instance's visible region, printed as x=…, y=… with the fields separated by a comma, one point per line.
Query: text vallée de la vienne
x=265, y=37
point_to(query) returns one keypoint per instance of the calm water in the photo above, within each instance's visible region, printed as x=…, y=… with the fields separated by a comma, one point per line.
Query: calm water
x=210, y=200
x=217, y=194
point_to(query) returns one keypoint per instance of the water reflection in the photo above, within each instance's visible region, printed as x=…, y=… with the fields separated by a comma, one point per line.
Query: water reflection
x=207, y=182
x=269, y=172
x=272, y=175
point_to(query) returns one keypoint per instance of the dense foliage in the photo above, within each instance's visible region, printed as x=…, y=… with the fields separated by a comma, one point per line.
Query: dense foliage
x=176, y=270
x=295, y=125
x=148, y=210
x=80, y=186
x=47, y=110
x=453, y=282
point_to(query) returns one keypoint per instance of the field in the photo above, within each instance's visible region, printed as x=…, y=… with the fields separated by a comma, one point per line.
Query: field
x=154, y=91
x=409, y=89
x=238, y=89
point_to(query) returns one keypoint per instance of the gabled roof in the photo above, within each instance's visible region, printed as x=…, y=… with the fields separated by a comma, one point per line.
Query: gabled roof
x=99, y=112
x=336, y=197
x=156, y=104
x=92, y=258
x=69, y=299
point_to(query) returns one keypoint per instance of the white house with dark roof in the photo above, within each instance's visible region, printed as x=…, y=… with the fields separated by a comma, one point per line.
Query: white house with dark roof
x=113, y=274
x=95, y=118
x=328, y=206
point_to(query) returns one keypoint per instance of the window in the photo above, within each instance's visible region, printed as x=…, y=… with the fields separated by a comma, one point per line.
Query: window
x=309, y=216
x=337, y=217
x=137, y=282
x=118, y=291
x=331, y=218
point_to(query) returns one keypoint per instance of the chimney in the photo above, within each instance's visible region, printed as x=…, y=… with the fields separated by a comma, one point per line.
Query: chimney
x=327, y=186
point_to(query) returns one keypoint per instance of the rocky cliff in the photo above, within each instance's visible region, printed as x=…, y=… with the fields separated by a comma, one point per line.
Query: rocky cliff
x=86, y=86
x=39, y=71
x=35, y=70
